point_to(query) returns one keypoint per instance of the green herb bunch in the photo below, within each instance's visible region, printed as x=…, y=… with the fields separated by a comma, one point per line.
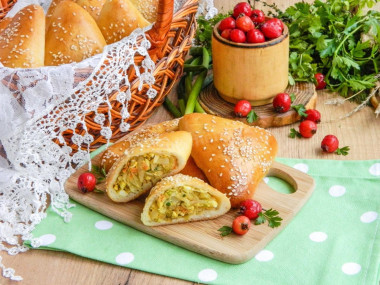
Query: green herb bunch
x=337, y=39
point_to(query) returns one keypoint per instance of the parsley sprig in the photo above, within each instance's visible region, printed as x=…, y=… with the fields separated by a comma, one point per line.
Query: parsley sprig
x=225, y=231
x=300, y=109
x=338, y=39
x=252, y=116
x=342, y=151
x=294, y=133
x=271, y=215
x=100, y=173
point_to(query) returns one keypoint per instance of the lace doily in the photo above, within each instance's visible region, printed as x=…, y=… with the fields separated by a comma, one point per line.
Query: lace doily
x=44, y=103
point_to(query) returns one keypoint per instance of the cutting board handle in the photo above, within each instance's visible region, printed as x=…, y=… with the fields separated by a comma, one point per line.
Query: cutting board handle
x=300, y=182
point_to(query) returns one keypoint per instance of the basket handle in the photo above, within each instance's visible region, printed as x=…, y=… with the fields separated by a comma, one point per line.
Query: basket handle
x=158, y=33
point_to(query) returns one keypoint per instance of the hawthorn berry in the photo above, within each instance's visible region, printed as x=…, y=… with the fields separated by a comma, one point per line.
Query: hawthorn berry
x=257, y=16
x=321, y=83
x=282, y=102
x=271, y=29
x=226, y=34
x=86, y=182
x=242, y=8
x=244, y=23
x=242, y=108
x=250, y=208
x=227, y=23
x=307, y=128
x=312, y=115
x=237, y=36
x=330, y=143
x=241, y=225
x=255, y=36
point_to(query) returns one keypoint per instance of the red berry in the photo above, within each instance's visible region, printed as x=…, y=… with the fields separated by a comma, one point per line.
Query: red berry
x=257, y=16
x=241, y=225
x=250, y=208
x=255, y=36
x=330, y=143
x=307, y=128
x=244, y=23
x=271, y=29
x=86, y=182
x=278, y=22
x=282, y=102
x=237, y=36
x=242, y=108
x=321, y=83
x=242, y=8
x=226, y=34
x=313, y=115
x=227, y=23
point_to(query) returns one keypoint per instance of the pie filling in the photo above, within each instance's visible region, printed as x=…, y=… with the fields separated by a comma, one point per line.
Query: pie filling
x=181, y=202
x=143, y=170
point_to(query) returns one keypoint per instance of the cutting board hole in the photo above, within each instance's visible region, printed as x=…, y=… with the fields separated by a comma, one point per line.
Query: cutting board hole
x=279, y=185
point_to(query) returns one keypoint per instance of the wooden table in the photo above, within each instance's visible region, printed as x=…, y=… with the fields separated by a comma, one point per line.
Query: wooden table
x=361, y=132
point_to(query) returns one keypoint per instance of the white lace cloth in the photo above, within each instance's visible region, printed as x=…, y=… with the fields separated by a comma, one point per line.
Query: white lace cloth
x=36, y=106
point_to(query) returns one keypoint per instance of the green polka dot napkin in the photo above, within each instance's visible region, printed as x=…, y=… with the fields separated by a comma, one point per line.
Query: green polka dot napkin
x=334, y=239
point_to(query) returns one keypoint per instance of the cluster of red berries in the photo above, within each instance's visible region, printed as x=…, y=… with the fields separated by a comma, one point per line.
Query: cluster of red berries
x=249, y=210
x=308, y=126
x=247, y=25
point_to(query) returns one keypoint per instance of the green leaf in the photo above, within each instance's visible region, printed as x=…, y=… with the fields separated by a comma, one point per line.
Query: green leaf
x=300, y=109
x=330, y=48
x=272, y=216
x=260, y=219
x=252, y=116
x=225, y=231
x=342, y=151
x=294, y=134
x=292, y=97
x=291, y=80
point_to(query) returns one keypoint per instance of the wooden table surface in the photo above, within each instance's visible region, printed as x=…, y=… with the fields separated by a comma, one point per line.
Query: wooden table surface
x=361, y=132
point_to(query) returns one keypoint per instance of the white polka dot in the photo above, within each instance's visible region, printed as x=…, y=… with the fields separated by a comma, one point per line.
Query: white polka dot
x=375, y=169
x=103, y=225
x=207, y=275
x=266, y=180
x=47, y=239
x=264, y=255
x=351, y=268
x=337, y=190
x=318, y=236
x=124, y=258
x=302, y=167
x=369, y=217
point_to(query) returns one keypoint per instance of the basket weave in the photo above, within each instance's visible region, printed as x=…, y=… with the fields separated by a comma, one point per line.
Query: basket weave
x=171, y=37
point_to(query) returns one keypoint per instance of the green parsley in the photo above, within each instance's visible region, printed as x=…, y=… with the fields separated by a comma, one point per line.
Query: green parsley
x=100, y=173
x=338, y=39
x=225, y=231
x=342, y=151
x=252, y=116
x=272, y=216
x=300, y=109
x=294, y=134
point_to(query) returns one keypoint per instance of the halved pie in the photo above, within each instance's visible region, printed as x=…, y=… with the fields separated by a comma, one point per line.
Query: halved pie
x=181, y=198
x=144, y=164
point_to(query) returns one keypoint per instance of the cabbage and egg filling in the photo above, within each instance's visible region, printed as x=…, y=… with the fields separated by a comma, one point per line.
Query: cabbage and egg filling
x=181, y=201
x=143, y=170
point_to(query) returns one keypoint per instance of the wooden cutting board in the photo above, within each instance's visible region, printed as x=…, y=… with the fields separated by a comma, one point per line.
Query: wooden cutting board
x=305, y=93
x=203, y=236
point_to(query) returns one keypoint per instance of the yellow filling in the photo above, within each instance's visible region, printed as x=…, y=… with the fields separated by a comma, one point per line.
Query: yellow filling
x=181, y=202
x=143, y=170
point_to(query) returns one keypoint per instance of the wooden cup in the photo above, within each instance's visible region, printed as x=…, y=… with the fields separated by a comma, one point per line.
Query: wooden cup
x=253, y=72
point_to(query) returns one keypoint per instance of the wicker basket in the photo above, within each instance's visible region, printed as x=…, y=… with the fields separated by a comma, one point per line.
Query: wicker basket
x=171, y=37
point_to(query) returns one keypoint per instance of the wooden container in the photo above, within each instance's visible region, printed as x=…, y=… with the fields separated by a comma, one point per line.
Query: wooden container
x=254, y=72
